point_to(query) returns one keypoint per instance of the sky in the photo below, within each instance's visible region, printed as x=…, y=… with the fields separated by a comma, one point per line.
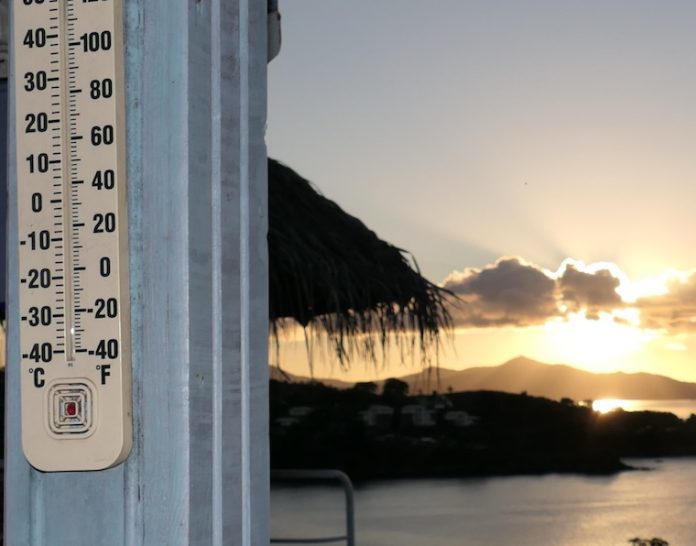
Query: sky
x=536, y=157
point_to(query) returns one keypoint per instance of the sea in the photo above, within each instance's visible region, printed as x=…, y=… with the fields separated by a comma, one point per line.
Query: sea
x=681, y=408
x=550, y=510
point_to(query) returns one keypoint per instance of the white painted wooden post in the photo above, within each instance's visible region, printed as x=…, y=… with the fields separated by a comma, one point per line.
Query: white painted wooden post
x=198, y=472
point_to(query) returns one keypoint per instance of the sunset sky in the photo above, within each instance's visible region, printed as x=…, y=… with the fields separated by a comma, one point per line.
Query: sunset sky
x=536, y=157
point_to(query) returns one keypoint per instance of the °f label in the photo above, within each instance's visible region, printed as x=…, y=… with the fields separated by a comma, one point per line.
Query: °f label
x=73, y=233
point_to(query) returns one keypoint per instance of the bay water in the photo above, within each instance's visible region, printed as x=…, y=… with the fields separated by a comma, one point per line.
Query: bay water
x=551, y=510
x=682, y=408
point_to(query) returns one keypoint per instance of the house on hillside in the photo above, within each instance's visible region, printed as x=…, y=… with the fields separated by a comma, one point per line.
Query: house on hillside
x=378, y=416
x=439, y=402
x=299, y=411
x=286, y=422
x=296, y=414
x=460, y=418
x=413, y=415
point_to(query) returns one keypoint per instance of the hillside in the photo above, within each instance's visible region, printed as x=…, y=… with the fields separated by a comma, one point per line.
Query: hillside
x=377, y=436
x=553, y=381
x=277, y=374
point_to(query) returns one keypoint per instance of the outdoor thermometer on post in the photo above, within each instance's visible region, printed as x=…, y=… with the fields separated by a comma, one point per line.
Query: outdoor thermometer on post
x=73, y=233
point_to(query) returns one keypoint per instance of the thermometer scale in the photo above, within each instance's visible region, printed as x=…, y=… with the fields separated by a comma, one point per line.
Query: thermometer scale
x=73, y=233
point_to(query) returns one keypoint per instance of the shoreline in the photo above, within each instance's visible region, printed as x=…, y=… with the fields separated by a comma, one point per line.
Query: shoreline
x=626, y=467
x=475, y=434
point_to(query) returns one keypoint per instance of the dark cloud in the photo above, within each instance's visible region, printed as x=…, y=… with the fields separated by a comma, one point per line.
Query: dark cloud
x=591, y=292
x=512, y=292
x=674, y=311
x=508, y=293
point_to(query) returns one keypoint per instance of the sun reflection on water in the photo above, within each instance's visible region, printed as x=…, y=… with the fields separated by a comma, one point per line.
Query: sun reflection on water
x=605, y=405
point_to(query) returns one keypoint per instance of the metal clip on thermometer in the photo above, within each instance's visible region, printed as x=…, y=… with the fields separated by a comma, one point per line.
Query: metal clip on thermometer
x=73, y=233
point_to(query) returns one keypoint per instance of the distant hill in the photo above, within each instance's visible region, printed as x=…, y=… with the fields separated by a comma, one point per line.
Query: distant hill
x=281, y=375
x=553, y=381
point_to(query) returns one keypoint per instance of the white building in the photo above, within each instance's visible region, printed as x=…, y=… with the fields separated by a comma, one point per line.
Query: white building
x=417, y=416
x=378, y=416
x=286, y=421
x=299, y=411
x=460, y=418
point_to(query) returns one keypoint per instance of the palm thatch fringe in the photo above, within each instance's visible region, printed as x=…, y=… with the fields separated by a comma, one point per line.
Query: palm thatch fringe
x=337, y=279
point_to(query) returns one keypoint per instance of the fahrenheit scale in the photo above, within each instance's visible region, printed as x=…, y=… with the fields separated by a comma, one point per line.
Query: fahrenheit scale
x=73, y=233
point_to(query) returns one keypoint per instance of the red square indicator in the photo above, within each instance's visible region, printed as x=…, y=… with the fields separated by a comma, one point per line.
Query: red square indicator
x=71, y=409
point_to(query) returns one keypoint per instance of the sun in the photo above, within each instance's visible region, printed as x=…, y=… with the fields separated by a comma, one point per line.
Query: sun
x=606, y=405
x=598, y=344
x=610, y=404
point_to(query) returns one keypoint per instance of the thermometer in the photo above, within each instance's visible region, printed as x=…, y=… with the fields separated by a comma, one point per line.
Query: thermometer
x=73, y=233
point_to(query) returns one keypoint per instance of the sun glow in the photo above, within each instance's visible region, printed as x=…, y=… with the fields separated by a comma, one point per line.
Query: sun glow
x=595, y=344
x=609, y=404
x=630, y=291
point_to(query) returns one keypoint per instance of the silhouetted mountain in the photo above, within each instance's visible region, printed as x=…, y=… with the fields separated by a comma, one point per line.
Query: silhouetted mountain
x=553, y=381
x=278, y=374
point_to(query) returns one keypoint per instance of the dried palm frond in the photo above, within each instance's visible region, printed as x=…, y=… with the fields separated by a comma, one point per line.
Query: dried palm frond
x=336, y=278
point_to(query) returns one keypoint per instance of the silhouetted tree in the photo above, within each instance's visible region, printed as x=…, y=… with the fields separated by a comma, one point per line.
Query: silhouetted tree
x=395, y=388
x=648, y=541
x=366, y=387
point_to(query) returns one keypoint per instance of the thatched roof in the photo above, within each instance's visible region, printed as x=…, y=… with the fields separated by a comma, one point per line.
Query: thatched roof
x=333, y=275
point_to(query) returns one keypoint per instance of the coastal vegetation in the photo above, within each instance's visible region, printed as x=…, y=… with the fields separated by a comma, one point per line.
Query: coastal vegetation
x=482, y=433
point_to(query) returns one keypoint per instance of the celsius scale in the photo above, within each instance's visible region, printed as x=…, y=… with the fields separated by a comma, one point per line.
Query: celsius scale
x=72, y=233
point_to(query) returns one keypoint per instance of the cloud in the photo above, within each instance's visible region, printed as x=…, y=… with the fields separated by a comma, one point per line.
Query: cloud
x=507, y=293
x=673, y=311
x=589, y=291
x=513, y=292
